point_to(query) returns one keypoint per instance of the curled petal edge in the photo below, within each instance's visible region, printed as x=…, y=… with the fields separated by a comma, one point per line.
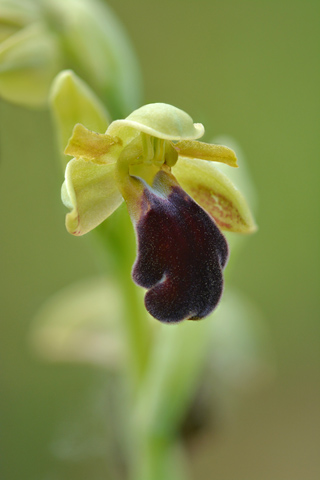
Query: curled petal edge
x=91, y=193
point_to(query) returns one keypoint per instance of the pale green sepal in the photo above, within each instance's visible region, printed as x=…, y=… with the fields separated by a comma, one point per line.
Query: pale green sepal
x=97, y=147
x=29, y=60
x=206, y=151
x=214, y=192
x=91, y=192
x=158, y=120
x=72, y=101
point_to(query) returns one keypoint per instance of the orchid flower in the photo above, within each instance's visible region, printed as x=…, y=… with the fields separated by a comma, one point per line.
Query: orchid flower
x=177, y=199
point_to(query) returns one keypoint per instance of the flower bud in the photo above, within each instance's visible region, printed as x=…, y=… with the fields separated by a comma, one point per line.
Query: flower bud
x=29, y=59
x=38, y=39
x=97, y=48
x=14, y=15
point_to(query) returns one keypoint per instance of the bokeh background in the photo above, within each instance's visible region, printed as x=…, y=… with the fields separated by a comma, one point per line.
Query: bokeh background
x=246, y=69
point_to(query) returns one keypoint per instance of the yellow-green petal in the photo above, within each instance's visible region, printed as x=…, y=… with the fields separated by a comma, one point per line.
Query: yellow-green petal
x=206, y=151
x=214, y=192
x=100, y=148
x=72, y=101
x=158, y=120
x=90, y=191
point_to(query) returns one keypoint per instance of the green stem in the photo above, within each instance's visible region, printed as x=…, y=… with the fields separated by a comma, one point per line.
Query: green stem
x=136, y=328
x=159, y=459
x=117, y=242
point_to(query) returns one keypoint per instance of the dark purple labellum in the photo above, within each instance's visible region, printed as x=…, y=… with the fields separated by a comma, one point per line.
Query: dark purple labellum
x=181, y=253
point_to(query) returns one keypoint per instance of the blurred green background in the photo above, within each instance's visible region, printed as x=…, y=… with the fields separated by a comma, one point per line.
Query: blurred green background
x=246, y=69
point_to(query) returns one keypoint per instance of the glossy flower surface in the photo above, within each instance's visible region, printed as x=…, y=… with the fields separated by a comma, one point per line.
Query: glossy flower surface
x=177, y=200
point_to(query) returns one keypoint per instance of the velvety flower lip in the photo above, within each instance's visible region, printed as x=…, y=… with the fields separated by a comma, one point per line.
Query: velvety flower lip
x=177, y=200
x=181, y=254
